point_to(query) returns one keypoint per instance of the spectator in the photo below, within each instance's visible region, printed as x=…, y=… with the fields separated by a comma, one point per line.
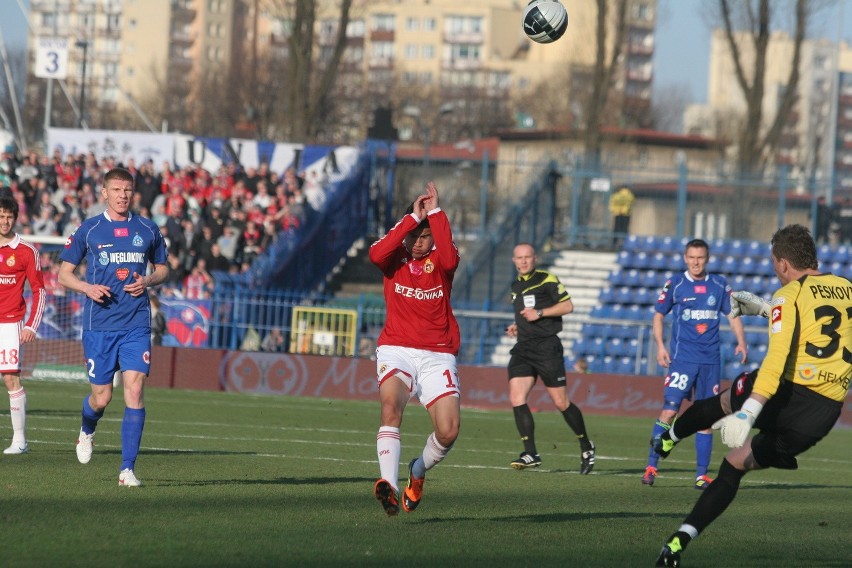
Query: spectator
x=621, y=205
x=158, y=321
x=273, y=342
x=198, y=284
x=228, y=243
x=215, y=261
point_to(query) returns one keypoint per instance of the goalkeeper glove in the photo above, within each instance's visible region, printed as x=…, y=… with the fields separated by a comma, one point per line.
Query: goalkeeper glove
x=748, y=304
x=735, y=427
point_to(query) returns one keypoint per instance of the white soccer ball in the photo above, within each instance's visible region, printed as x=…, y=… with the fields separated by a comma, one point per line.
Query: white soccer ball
x=545, y=20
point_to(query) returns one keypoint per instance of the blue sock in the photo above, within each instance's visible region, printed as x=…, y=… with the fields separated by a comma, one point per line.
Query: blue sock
x=131, y=436
x=703, y=449
x=90, y=417
x=659, y=428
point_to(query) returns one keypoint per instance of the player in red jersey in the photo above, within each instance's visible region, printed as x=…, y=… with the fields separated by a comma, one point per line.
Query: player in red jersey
x=19, y=263
x=417, y=348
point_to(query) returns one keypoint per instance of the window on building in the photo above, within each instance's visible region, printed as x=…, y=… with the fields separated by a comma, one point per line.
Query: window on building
x=384, y=22
x=410, y=51
x=381, y=49
x=412, y=24
x=114, y=22
x=215, y=6
x=426, y=77
x=463, y=52
x=463, y=24
x=355, y=28
x=110, y=69
x=428, y=52
x=429, y=24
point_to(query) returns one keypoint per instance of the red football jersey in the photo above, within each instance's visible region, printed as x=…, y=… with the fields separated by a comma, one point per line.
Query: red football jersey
x=19, y=262
x=417, y=292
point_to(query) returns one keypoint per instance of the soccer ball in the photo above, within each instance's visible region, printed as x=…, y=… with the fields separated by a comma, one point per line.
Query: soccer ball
x=545, y=20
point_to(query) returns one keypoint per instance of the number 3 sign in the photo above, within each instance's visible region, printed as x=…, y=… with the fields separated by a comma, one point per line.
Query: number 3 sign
x=51, y=58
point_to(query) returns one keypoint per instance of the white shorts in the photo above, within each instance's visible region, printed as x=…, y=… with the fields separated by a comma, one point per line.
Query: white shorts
x=10, y=347
x=429, y=375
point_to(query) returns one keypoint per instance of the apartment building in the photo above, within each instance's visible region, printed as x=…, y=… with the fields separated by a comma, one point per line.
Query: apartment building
x=471, y=57
x=816, y=140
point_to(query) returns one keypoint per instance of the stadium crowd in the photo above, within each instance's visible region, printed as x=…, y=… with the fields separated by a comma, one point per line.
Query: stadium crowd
x=212, y=221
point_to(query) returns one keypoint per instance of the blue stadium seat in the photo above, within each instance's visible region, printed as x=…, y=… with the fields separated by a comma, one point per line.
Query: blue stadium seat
x=757, y=249
x=764, y=267
x=650, y=279
x=747, y=265
x=632, y=243
x=631, y=278
x=641, y=260
x=737, y=281
x=729, y=265
x=607, y=295
x=625, y=259
x=659, y=261
x=736, y=247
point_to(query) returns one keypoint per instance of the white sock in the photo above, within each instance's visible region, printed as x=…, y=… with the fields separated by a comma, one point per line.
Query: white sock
x=389, y=448
x=433, y=453
x=689, y=529
x=18, y=410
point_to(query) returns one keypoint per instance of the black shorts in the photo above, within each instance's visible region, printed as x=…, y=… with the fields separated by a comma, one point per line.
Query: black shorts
x=543, y=358
x=793, y=420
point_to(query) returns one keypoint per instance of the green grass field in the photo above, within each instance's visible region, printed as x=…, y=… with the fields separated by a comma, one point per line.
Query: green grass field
x=235, y=480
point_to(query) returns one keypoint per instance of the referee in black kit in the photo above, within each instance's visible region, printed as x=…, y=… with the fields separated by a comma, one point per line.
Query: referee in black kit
x=540, y=300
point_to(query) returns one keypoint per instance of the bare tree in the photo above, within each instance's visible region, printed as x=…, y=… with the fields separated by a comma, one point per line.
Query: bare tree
x=756, y=145
x=310, y=84
x=668, y=107
x=604, y=72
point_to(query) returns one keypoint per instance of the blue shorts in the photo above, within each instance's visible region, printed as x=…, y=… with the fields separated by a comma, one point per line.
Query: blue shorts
x=108, y=351
x=684, y=379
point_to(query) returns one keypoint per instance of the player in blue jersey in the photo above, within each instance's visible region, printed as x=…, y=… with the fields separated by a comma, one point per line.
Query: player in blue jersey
x=117, y=247
x=697, y=300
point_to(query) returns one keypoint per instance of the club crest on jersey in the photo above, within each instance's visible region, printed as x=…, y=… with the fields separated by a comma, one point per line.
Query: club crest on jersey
x=103, y=258
x=10, y=262
x=711, y=301
x=137, y=240
x=122, y=273
x=69, y=240
x=147, y=357
x=122, y=232
x=428, y=266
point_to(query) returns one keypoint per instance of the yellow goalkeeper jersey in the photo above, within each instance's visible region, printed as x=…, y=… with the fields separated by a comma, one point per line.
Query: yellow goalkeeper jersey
x=810, y=337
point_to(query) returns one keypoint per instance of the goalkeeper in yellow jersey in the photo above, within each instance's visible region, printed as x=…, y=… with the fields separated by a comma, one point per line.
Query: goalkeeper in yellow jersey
x=796, y=396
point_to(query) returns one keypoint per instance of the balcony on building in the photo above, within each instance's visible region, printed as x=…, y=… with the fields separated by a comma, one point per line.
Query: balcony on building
x=183, y=37
x=50, y=6
x=380, y=62
x=183, y=11
x=382, y=35
x=107, y=32
x=640, y=75
x=455, y=64
x=477, y=38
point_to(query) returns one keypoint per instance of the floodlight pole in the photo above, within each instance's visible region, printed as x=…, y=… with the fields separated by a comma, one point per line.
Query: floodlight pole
x=85, y=46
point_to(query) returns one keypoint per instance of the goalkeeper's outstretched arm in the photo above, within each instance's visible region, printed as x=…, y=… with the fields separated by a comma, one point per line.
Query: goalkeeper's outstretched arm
x=747, y=304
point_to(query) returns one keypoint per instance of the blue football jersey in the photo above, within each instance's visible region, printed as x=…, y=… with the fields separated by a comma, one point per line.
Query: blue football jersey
x=697, y=307
x=113, y=251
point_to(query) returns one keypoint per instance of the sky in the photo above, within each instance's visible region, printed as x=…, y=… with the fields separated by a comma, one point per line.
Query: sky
x=681, y=53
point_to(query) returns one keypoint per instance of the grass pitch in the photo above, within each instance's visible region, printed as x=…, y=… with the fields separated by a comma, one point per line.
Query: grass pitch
x=237, y=480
